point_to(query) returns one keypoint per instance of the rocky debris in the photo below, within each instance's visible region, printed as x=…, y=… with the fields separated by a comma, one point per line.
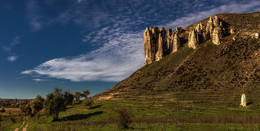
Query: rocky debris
x=232, y=31
x=193, y=39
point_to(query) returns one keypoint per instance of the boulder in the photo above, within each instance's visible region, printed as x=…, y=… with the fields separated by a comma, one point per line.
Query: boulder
x=243, y=100
x=257, y=35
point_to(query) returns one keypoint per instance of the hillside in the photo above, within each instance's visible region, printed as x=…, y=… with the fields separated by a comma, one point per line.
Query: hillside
x=210, y=74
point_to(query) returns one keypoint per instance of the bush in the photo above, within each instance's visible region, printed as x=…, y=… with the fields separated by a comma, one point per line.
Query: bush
x=2, y=109
x=124, y=118
x=87, y=102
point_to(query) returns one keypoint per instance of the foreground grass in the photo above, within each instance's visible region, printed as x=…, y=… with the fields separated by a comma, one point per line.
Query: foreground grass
x=10, y=122
x=152, y=115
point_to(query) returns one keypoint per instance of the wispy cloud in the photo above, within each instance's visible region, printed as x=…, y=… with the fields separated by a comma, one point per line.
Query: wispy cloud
x=8, y=49
x=120, y=36
x=12, y=58
x=39, y=80
x=34, y=17
x=229, y=8
x=113, y=62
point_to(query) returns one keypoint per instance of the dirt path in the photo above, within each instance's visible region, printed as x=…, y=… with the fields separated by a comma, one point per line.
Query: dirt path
x=25, y=120
x=26, y=126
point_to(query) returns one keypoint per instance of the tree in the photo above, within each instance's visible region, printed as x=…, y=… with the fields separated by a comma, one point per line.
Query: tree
x=57, y=91
x=77, y=96
x=54, y=104
x=68, y=98
x=36, y=105
x=87, y=101
x=85, y=93
x=26, y=108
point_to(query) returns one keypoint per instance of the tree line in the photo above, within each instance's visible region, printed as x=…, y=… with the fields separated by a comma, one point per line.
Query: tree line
x=54, y=103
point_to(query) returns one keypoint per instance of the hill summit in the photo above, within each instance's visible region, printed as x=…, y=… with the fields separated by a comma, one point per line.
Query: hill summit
x=213, y=60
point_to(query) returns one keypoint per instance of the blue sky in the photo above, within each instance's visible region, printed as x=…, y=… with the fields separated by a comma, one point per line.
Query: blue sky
x=79, y=44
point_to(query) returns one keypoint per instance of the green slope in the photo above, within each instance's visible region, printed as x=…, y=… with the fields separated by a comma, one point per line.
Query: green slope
x=209, y=74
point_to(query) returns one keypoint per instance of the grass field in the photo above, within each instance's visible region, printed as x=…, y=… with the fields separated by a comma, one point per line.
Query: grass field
x=10, y=119
x=151, y=115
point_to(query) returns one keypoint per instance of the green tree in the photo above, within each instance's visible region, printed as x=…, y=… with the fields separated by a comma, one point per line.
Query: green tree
x=26, y=108
x=77, y=96
x=85, y=93
x=68, y=98
x=36, y=105
x=87, y=101
x=54, y=104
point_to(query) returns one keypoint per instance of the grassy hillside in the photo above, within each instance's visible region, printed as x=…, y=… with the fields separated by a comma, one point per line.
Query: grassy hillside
x=210, y=74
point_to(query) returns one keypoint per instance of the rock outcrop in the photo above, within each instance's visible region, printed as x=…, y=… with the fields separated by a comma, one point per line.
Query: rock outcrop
x=176, y=43
x=193, y=39
x=216, y=36
x=158, y=44
x=170, y=39
x=214, y=30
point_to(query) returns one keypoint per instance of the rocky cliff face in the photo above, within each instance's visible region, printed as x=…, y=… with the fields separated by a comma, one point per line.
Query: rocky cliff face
x=158, y=44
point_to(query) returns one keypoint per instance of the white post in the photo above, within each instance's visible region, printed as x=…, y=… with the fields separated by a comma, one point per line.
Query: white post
x=243, y=100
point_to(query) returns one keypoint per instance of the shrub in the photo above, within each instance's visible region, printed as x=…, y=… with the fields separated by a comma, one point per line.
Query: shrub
x=124, y=118
x=87, y=102
x=2, y=109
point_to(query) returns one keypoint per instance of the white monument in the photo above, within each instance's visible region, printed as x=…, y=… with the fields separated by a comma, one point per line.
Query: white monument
x=243, y=100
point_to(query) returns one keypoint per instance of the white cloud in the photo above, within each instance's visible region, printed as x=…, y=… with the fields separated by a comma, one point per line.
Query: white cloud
x=12, y=58
x=115, y=61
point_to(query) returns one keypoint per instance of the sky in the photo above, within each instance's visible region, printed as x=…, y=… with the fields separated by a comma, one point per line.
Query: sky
x=87, y=44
